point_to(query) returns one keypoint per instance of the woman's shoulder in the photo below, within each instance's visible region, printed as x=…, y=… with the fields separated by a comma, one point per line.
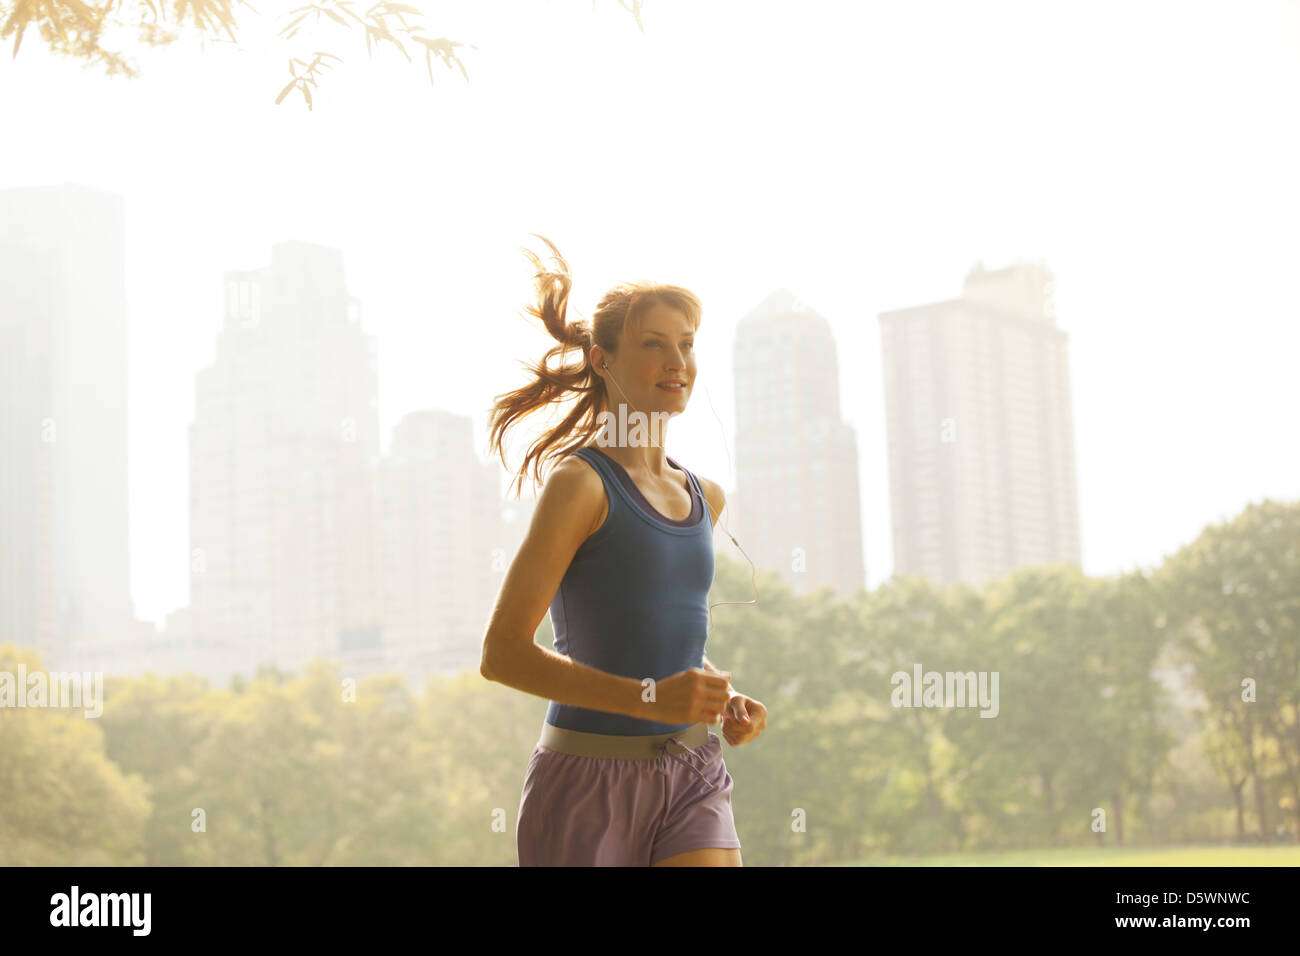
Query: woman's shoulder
x=574, y=486
x=578, y=475
x=713, y=493
x=580, y=466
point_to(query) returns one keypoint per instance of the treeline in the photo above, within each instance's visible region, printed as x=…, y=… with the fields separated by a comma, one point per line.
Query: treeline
x=1152, y=708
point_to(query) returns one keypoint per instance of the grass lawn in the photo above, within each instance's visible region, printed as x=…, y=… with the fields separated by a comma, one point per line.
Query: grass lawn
x=1127, y=856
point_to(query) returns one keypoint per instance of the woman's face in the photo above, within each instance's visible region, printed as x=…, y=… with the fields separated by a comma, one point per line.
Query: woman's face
x=658, y=352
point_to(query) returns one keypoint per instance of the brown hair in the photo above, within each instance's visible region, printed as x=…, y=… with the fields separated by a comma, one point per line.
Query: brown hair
x=626, y=302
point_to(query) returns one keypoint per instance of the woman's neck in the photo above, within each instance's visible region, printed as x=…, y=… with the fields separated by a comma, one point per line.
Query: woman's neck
x=636, y=444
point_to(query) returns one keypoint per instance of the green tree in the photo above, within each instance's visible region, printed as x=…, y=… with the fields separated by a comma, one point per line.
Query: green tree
x=1131, y=740
x=1233, y=603
x=153, y=725
x=62, y=800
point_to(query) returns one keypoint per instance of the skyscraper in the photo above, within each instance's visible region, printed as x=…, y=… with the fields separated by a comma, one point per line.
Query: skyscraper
x=796, y=460
x=980, y=430
x=283, y=460
x=440, y=534
x=64, y=550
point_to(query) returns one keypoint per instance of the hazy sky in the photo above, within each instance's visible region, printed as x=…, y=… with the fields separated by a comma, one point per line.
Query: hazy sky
x=863, y=155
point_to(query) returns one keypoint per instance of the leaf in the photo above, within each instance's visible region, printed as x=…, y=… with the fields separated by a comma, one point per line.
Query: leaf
x=83, y=11
x=381, y=33
x=285, y=92
x=325, y=66
x=343, y=5
x=306, y=91
x=334, y=15
x=295, y=23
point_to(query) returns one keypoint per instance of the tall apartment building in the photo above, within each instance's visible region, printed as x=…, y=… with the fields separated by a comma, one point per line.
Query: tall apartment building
x=284, y=453
x=797, y=510
x=980, y=431
x=442, y=541
x=64, y=550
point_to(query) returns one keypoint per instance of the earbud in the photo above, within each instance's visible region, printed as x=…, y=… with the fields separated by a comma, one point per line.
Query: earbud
x=605, y=365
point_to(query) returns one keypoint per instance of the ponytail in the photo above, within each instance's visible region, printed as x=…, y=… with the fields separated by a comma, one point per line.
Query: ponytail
x=624, y=303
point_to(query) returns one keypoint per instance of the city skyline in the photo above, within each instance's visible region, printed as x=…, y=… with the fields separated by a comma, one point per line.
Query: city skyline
x=303, y=298
x=844, y=177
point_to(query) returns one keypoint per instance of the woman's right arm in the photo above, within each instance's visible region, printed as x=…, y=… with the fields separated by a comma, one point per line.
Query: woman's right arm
x=572, y=500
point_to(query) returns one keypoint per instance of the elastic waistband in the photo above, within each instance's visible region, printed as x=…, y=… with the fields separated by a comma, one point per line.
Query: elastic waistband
x=620, y=747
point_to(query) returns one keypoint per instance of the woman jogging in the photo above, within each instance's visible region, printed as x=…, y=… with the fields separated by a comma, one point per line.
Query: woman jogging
x=626, y=772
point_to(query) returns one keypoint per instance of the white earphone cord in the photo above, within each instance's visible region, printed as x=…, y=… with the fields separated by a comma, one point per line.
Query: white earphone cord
x=753, y=573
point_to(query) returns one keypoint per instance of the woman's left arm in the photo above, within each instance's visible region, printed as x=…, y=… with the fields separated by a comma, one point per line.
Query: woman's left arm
x=744, y=718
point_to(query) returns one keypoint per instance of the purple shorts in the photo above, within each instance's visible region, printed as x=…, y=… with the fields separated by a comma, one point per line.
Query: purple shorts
x=609, y=811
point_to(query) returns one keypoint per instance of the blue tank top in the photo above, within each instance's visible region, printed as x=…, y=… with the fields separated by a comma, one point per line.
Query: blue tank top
x=634, y=599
